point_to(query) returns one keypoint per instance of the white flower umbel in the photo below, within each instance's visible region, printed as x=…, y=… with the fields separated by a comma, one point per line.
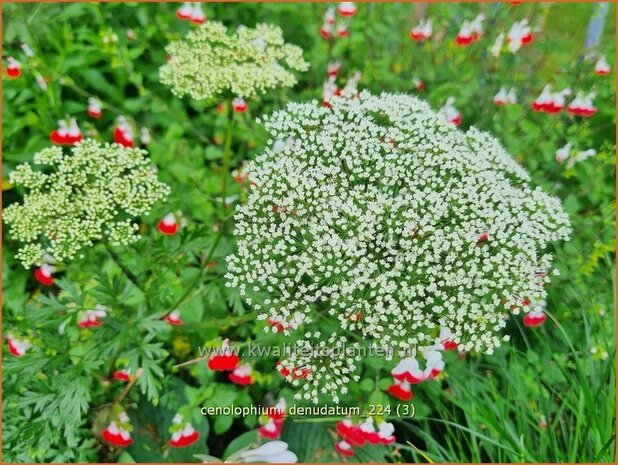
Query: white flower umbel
x=245, y=63
x=94, y=193
x=392, y=221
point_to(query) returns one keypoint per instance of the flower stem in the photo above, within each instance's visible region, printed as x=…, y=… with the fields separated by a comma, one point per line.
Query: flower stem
x=127, y=272
x=227, y=153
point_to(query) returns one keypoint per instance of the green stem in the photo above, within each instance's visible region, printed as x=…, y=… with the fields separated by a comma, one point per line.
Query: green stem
x=227, y=153
x=202, y=271
x=128, y=273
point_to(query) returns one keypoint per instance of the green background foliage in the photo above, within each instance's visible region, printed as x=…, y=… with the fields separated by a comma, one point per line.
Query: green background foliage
x=547, y=396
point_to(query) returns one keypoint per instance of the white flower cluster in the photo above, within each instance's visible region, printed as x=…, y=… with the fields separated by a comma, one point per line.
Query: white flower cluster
x=209, y=62
x=393, y=222
x=92, y=194
x=321, y=366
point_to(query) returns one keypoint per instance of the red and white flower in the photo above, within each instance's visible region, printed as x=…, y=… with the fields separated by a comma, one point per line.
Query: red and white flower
x=184, y=12
x=168, y=225
x=563, y=153
x=44, y=274
x=74, y=134
x=197, y=14
x=17, y=347
x=476, y=27
x=295, y=373
x=464, y=36
x=173, y=318
x=408, y=370
x=582, y=105
x=281, y=326
x=435, y=364
x=422, y=31
x=239, y=174
x=550, y=102
x=401, y=390
x=183, y=433
x=329, y=90
x=385, y=433
x=347, y=9
x=342, y=30
x=242, y=375
x=13, y=68
x=122, y=375
x=94, y=108
x=90, y=318
x=504, y=97
x=344, y=449
x=123, y=133
x=450, y=113
x=239, y=105
x=118, y=432
x=330, y=16
x=519, y=35
x=224, y=359
x=326, y=31
x=66, y=135
x=534, y=318
x=270, y=430
x=418, y=83
x=447, y=340
x=500, y=98
x=602, y=67
x=369, y=431
x=333, y=68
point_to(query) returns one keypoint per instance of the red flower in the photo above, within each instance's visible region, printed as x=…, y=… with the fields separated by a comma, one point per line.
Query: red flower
x=297, y=372
x=483, y=237
x=66, y=135
x=242, y=375
x=271, y=430
x=533, y=319
x=17, y=347
x=90, y=318
x=325, y=31
x=43, y=274
x=117, y=435
x=122, y=375
x=225, y=360
x=13, y=69
x=408, y=371
x=94, y=108
x=168, y=225
x=347, y=9
x=239, y=105
x=197, y=14
x=184, y=438
x=344, y=449
x=369, y=432
x=173, y=318
x=400, y=390
x=184, y=12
